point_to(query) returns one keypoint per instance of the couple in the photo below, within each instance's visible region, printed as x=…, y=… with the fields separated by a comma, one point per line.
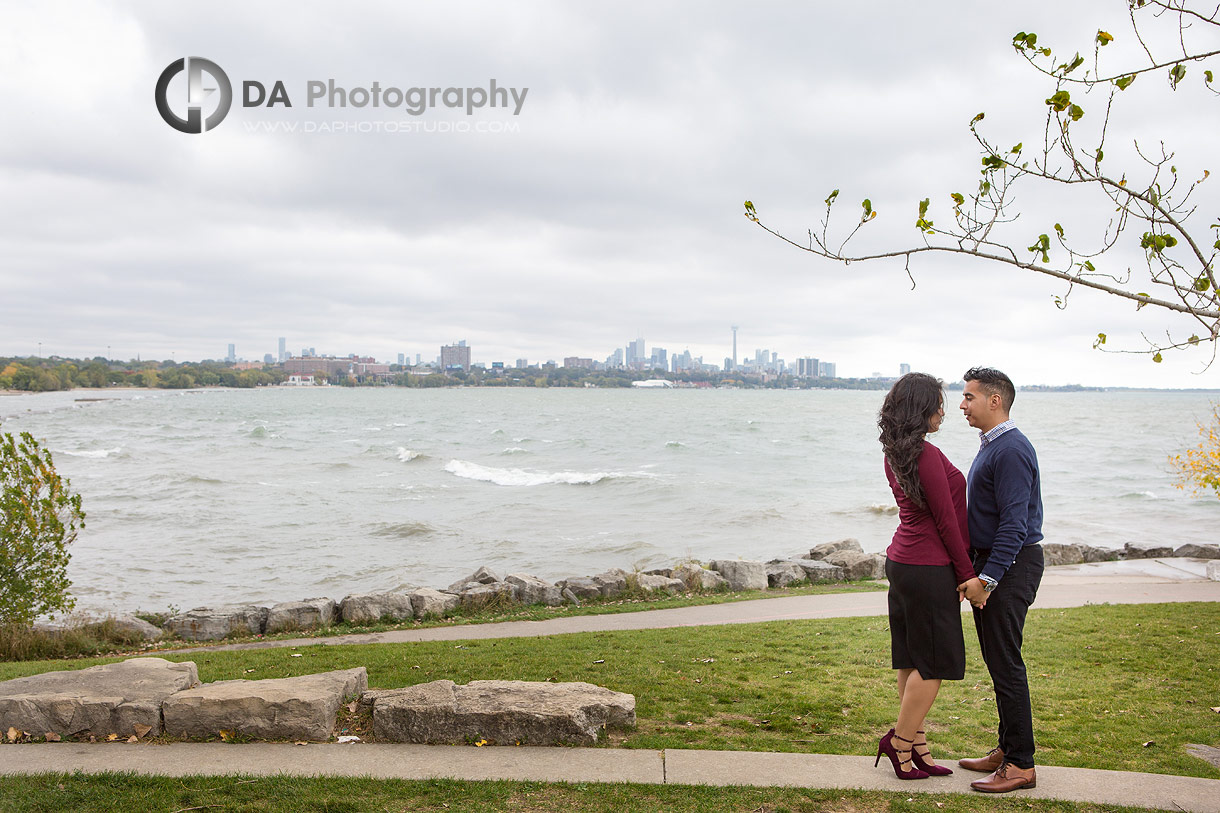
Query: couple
x=946, y=551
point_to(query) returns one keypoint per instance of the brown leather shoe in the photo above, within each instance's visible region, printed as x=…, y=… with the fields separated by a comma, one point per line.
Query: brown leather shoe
x=1007, y=777
x=987, y=764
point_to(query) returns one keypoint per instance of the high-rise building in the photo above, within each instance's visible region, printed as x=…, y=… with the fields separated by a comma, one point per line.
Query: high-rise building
x=232, y=354
x=659, y=360
x=635, y=352
x=807, y=367
x=455, y=356
x=522, y=364
x=283, y=349
x=402, y=359
x=826, y=369
x=903, y=369
x=268, y=358
x=734, y=346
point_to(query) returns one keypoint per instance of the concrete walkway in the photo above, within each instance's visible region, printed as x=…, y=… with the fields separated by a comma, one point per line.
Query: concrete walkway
x=673, y=767
x=1139, y=581
x=1132, y=582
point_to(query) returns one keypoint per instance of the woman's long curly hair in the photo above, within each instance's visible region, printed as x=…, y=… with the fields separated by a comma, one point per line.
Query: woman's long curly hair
x=903, y=422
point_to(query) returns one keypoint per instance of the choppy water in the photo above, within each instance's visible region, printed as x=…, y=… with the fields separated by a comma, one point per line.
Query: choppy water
x=279, y=494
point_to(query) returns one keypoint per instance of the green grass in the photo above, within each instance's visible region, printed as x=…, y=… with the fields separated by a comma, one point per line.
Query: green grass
x=1105, y=680
x=127, y=792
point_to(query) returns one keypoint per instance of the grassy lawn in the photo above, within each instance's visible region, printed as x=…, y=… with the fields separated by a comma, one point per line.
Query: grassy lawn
x=58, y=792
x=1119, y=687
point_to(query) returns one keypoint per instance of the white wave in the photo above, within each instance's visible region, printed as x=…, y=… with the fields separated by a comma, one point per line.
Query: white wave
x=407, y=455
x=674, y=444
x=880, y=508
x=94, y=453
x=521, y=477
x=513, y=450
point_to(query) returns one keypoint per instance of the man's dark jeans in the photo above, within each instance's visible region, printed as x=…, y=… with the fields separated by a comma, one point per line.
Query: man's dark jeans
x=1001, y=626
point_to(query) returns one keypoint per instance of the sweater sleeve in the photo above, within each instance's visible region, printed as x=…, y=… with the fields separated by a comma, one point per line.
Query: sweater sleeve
x=934, y=477
x=1014, y=483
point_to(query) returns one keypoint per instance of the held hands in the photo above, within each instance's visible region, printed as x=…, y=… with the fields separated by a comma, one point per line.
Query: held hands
x=974, y=592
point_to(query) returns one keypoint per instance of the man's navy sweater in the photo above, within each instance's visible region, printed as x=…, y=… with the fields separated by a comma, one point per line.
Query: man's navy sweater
x=1004, y=500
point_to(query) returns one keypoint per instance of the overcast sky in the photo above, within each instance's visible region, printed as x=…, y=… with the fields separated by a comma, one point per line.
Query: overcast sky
x=609, y=208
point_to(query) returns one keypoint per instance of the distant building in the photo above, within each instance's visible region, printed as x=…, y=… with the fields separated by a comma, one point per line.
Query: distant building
x=659, y=359
x=903, y=369
x=808, y=367
x=826, y=369
x=283, y=349
x=573, y=361
x=401, y=359
x=455, y=356
x=522, y=364
x=232, y=354
x=268, y=358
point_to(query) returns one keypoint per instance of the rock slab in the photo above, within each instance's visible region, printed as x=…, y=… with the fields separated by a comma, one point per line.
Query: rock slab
x=500, y=712
x=110, y=699
x=368, y=608
x=297, y=708
x=301, y=615
x=741, y=575
x=214, y=623
x=697, y=577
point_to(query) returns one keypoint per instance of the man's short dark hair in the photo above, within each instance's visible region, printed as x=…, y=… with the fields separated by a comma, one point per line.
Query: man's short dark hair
x=993, y=382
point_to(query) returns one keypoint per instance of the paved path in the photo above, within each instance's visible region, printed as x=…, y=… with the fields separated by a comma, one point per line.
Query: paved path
x=1146, y=581
x=672, y=766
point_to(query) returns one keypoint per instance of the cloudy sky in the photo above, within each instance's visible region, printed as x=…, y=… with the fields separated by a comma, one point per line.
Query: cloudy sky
x=610, y=207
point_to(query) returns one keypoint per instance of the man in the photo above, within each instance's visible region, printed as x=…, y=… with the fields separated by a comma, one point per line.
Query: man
x=1004, y=509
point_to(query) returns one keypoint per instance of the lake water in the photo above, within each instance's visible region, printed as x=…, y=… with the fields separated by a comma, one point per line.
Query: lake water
x=280, y=494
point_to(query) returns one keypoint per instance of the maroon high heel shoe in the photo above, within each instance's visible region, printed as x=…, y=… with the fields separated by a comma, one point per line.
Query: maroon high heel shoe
x=886, y=747
x=917, y=758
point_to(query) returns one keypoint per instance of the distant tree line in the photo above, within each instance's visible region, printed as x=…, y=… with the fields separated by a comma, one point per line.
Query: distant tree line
x=47, y=375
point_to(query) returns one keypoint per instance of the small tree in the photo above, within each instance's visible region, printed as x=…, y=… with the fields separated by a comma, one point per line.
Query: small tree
x=1199, y=468
x=39, y=519
x=1138, y=194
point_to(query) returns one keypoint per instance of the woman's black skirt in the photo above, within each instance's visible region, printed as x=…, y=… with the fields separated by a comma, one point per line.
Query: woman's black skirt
x=926, y=621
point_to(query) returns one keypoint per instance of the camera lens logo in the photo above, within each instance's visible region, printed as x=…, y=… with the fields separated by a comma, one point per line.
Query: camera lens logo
x=195, y=68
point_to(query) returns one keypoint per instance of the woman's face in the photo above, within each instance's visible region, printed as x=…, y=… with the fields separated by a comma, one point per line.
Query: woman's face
x=937, y=417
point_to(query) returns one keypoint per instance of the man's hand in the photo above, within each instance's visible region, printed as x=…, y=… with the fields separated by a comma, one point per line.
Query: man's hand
x=974, y=591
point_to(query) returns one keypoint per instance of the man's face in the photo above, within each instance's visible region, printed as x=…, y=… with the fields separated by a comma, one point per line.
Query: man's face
x=977, y=406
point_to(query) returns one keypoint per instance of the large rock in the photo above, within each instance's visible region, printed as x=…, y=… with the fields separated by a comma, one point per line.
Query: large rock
x=697, y=577
x=1057, y=553
x=426, y=602
x=128, y=626
x=369, y=608
x=827, y=548
x=612, y=582
x=214, y=623
x=652, y=584
x=781, y=573
x=478, y=596
x=1133, y=551
x=297, y=708
x=301, y=615
x=500, y=712
x=858, y=566
x=1092, y=553
x=484, y=575
x=818, y=571
x=741, y=575
x=533, y=590
x=583, y=587
x=101, y=700
x=135, y=627
x=1193, y=551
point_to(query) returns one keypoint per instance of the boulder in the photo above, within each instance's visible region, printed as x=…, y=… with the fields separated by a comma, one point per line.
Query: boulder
x=500, y=712
x=214, y=623
x=1095, y=554
x=101, y=700
x=484, y=575
x=781, y=573
x=427, y=602
x=827, y=548
x=129, y=626
x=1056, y=553
x=1193, y=551
x=667, y=572
x=368, y=608
x=1133, y=551
x=479, y=596
x=296, y=708
x=611, y=582
x=859, y=565
x=1213, y=571
x=741, y=575
x=570, y=597
x=136, y=627
x=582, y=587
x=818, y=571
x=652, y=584
x=697, y=577
x=533, y=590
x=301, y=615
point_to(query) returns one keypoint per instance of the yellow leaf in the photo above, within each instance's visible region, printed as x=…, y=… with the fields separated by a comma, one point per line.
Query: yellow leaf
x=225, y=736
x=111, y=737
x=13, y=734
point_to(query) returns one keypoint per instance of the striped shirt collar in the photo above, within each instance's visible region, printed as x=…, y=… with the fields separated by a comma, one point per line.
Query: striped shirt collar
x=995, y=432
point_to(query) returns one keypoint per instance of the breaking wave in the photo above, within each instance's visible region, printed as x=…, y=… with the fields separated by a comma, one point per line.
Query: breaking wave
x=94, y=453
x=521, y=477
x=407, y=455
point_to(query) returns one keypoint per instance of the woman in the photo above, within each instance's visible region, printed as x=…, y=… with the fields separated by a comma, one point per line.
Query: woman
x=925, y=562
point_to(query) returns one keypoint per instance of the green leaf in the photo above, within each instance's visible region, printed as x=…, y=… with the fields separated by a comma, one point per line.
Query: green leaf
x=1124, y=82
x=1099, y=341
x=1194, y=339
x=923, y=206
x=1207, y=76
x=977, y=119
x=831, y=198
x=1157, y=357
x=1059, y=230
x=1176, y=74
x=1202, y=284
x=1076, y=112
x=1043, y=246
x=750, y=213
x=1104, y=39
x=958, y=198
x=1060, y=100
x=868, y=207
x=1017, y=148
x=1100, y=154
x=1068, y=67
x=1088, y=265
x=991, y=162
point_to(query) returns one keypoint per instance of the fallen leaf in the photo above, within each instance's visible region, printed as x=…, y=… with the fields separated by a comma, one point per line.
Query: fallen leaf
x=225, y=736
x=13, y=734
x=133, y=738
x=1149, y=743
x=51, y=736
x=1216, y=709
x=248, y=671
x=140, y=729
x=600, y=661
x=295, y=655
x=352, y=706
x=111, y=737
x=300, y=742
